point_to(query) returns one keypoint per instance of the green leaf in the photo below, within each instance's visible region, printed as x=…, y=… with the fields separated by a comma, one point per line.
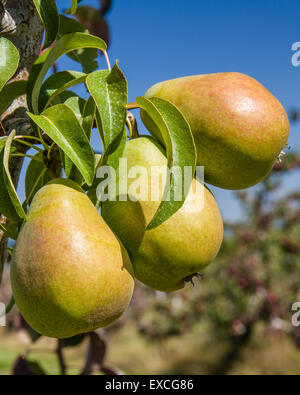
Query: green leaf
x=180, y=147
x=88, y=116
x=67, y=163
x=109, y=90
x=64, y=98
x=48, y=13
x=113, y=161
x=58, y=83
x=85, y=113
x=34, y=72
x=87, y=57
x=6, y=206
x=66, y=44
x=70, y=25
x=8, y=180
x=11, y=92
x=9, y=60
x=62, y=126
x=76, y=104
x=36, y=177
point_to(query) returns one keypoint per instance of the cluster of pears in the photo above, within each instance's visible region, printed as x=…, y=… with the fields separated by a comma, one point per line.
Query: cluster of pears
x=73, y=269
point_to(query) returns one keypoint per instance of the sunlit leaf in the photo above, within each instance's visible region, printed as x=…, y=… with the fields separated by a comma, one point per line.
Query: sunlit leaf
x=48, y=13
x=58, y=83
x=109, y=90
x=88, y=116
x=34, y=72
x=66, y=44
x=180, y=147
x=9, y=60
x=60, y=123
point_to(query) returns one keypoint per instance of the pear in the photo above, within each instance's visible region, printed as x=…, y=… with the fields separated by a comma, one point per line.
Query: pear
x=239, y=127
x=168, y=256
x=69, y=272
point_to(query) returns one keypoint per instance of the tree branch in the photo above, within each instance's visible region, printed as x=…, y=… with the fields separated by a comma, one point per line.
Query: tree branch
x=20, y=23
x=61, y=360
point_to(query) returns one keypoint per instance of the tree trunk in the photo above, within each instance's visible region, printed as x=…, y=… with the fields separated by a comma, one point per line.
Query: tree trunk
x=21, y=24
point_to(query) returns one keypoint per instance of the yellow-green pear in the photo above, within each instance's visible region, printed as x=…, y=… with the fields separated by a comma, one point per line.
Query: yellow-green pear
x=239, y=127
x=69, y=272
x=165, y=257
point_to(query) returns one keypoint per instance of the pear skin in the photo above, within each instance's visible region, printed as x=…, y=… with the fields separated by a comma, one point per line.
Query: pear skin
x=69, y=272
x=239, y=127
x=164, y=258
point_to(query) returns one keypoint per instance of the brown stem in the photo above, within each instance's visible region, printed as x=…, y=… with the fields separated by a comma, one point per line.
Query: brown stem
x=132, y=106
x=61, y=360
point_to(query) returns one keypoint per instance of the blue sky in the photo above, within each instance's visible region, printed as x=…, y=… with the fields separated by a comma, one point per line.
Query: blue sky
x=162, y=39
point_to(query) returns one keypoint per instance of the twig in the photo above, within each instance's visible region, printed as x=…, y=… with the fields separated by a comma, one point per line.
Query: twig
x=61, y=360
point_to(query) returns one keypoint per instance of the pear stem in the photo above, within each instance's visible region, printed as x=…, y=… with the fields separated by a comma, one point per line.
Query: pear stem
x=28, y=156
x=107, y=60
x=132, y=106
x=29, y=145
x=41, y=139
x=23, y=137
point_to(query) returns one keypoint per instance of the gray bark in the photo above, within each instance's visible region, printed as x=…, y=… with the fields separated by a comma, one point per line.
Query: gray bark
x=20, y=23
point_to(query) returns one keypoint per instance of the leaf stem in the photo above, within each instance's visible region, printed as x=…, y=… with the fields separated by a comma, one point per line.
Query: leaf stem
x=28, y=137
x=132, y=106
x=27, y=156
x=30, y=145
x=107, y=60
x=49, y=151
x=41, y=139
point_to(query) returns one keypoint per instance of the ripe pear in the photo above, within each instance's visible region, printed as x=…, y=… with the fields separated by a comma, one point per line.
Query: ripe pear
x=165, y=257
x=69, y=272
x=239, y=127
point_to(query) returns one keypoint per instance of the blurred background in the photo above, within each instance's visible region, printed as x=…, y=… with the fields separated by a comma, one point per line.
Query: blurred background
x=237, y=319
